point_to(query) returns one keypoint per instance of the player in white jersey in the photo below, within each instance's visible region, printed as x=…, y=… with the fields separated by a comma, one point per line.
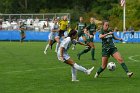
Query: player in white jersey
x=53, y=36
x=64, y=56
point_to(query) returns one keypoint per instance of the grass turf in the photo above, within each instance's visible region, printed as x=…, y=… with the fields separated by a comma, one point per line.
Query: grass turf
x=25, y=69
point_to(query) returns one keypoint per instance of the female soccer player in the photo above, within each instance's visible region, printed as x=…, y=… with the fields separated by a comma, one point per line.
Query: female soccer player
x=22, y=28
x=108, y=48
x=64, y=56
x=53, y=36
x=89, y=31
x=80, y=29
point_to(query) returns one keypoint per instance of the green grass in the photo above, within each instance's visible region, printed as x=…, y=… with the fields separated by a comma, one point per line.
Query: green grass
x=25, y=69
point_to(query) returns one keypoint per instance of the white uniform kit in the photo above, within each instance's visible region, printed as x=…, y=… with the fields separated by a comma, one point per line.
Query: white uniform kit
x=65, y=44
x=52, y=34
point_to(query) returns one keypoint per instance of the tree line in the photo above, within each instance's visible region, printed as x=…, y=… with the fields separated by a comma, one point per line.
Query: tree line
x=100, y=9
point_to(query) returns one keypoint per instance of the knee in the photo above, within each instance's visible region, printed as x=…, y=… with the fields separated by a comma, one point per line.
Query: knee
x=120, y=60
x=104, y=66
x=93, y=47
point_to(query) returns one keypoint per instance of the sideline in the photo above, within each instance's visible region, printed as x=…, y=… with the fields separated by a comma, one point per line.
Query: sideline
x=133, y=59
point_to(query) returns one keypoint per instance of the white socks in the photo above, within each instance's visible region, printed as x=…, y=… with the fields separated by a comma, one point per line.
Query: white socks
x=47, y=46
x=78, y=67
x=73, y=73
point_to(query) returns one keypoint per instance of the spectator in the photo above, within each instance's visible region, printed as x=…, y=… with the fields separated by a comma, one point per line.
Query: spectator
x=46, y=25
x=36, y=20
x=29, y=21
x=131, y=29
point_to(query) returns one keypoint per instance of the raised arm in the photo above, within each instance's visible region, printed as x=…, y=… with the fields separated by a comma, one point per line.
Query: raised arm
x=114, y=37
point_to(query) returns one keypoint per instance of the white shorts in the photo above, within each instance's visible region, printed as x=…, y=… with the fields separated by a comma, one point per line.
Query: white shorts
x=52, y=36
x=66, y=33
x=65, y=55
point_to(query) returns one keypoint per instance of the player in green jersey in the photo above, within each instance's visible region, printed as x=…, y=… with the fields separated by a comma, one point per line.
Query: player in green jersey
x=22, y=28
x=80, y=29
x=109, y=48
x=89, y=31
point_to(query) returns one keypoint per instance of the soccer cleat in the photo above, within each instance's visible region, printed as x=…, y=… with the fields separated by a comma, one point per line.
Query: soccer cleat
x=96, y=75
x=129, y=74
x=55, y=51
x=78, y=55
x=75, y=80
x=45, y=52
x=89, y=71
x=86, y=47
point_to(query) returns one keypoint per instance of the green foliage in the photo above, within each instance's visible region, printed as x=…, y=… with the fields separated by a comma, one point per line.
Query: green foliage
x=101, y=9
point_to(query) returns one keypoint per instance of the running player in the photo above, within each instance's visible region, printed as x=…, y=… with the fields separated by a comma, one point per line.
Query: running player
x=80, y=29
x=63, y=26
x=108, y=48
x=53, y=36
x=22, y=29
x=89, y=31
x=64, y=56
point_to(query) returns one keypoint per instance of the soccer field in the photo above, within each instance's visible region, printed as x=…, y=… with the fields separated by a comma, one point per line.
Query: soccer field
x=25, y=69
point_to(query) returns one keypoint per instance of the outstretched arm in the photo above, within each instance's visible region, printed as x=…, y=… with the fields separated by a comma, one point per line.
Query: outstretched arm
x=78, y=42
x=82, y=44
x=117, y=38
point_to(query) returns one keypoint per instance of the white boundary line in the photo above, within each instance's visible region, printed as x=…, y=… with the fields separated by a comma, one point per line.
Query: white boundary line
x=53, y=68
x=132, y=58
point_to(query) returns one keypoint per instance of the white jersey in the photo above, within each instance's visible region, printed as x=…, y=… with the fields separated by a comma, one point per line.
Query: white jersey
x=52, y=34
x=66, y=43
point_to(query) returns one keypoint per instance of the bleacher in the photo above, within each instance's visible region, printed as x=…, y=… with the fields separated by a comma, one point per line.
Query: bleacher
x=34, y=22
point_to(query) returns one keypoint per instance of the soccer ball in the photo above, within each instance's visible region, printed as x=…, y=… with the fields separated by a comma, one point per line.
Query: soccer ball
x=111, y=66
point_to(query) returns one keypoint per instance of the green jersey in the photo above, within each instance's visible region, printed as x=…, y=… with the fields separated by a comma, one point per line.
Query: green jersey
x=22, y=27
x=91, y=29
x=107, y=41
x=81, y=26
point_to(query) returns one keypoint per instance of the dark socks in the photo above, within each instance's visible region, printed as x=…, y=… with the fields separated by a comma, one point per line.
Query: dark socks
x=92, y=53
x=124, y=67
x=100, y=70
x=84, y=51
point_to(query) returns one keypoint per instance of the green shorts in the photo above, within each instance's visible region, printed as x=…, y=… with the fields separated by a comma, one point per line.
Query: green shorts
x=108, y=52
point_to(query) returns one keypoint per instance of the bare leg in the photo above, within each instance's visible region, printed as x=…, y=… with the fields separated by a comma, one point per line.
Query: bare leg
x=47, y=46
x=58, y=44
x=103, y=66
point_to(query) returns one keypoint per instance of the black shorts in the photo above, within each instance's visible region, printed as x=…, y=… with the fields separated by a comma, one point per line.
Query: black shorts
x=61, y=33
